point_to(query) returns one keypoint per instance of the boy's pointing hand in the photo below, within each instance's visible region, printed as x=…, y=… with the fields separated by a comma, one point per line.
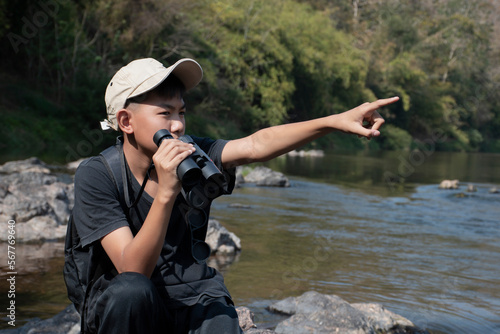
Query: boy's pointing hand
x=364, y=120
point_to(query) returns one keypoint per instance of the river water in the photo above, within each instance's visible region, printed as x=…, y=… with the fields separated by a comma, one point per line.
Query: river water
x=368, y=228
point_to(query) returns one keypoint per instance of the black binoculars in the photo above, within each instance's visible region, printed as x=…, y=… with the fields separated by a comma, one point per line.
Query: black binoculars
x=201, y=179
x=201, y=183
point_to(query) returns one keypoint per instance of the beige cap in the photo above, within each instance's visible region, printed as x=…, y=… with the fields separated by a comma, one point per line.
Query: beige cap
x=141, y=76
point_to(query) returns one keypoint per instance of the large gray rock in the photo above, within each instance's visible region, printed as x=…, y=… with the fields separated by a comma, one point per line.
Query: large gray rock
x=261, y=176
x=36, y=199
x=220, y=240
x=225, y=246
x=318, y=313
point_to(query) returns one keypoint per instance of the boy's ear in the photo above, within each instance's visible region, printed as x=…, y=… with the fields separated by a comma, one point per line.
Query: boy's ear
x=123, y=119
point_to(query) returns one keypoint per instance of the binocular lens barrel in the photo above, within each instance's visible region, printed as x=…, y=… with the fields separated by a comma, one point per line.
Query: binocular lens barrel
x=197, y=218
x=189, y=173
x=199, y=248
x=201, y=251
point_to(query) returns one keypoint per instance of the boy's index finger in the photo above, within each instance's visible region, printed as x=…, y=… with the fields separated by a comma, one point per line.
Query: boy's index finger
x=385, y=102
x=370, y=107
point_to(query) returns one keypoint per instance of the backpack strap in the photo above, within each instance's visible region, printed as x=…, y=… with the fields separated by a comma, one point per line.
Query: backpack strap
x=112, y=160
x=116, y=164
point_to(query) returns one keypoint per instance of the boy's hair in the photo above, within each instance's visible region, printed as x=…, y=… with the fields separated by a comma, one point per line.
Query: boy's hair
x=170, y=87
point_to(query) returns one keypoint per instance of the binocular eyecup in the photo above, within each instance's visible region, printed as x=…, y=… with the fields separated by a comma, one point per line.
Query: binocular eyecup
x=188, y=171
x=196, y=167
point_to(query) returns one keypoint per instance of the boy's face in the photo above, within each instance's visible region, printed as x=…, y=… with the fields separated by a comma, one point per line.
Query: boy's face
x=156, y=113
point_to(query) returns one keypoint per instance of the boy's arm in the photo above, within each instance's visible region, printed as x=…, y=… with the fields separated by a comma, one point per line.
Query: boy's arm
x=269, y=143
x=140, y=253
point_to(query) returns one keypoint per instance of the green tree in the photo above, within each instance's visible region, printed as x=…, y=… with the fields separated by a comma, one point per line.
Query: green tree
x=424, y=52
x=264, y=63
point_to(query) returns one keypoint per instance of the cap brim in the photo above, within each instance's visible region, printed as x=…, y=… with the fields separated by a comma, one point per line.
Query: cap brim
x=187, y=70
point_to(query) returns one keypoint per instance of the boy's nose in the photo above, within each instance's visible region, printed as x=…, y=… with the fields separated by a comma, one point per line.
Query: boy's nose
x=177, y=128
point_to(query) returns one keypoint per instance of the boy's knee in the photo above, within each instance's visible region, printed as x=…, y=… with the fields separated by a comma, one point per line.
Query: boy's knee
x=132, y=287
x=131, y=302
x=129, y=293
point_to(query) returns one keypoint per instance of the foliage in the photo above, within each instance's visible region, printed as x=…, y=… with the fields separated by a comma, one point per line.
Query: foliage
x=394, y=138
x=265, y=63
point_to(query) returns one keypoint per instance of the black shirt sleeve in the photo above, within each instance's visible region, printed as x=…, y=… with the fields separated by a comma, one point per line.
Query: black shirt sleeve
x=97, y=211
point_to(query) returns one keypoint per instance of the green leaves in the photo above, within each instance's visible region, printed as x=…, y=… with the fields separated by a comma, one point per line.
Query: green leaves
x=270, y=62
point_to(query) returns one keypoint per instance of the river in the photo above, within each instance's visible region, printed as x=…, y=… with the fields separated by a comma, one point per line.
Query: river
x=366, y=227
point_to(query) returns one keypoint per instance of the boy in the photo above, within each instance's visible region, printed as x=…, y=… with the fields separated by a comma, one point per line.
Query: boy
x=148, y=280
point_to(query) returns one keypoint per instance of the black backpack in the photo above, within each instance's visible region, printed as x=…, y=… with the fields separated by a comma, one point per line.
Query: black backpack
x=78, y=277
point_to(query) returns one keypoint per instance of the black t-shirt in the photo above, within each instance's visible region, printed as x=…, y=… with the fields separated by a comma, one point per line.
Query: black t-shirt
x=99, y=211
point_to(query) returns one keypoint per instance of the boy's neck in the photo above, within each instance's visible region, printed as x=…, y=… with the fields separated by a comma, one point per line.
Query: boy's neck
x=138, y=161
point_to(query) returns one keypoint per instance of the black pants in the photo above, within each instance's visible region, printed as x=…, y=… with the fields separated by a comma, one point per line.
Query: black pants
x=131, y=304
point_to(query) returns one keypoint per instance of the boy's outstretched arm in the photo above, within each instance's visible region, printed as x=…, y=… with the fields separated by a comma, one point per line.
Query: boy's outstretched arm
x=269, y=143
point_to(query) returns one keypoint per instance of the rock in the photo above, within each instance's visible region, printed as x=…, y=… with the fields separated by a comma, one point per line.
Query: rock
x=36, y=199
x=29, y=165
x=220, y=240
x=72, y=166
x=43, y=228
x=239, y=206
x=380, y=318
x=317, y=313
x=471, y=188
x=259, y=331
x=449, y=184
x=239, y=177
x=399, y=329
x=65, y=322
x=263, y=176
x=310, y=153
x=245, y=317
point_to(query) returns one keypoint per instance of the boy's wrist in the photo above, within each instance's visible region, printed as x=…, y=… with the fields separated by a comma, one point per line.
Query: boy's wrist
x=166, y=196
x=334, y=122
